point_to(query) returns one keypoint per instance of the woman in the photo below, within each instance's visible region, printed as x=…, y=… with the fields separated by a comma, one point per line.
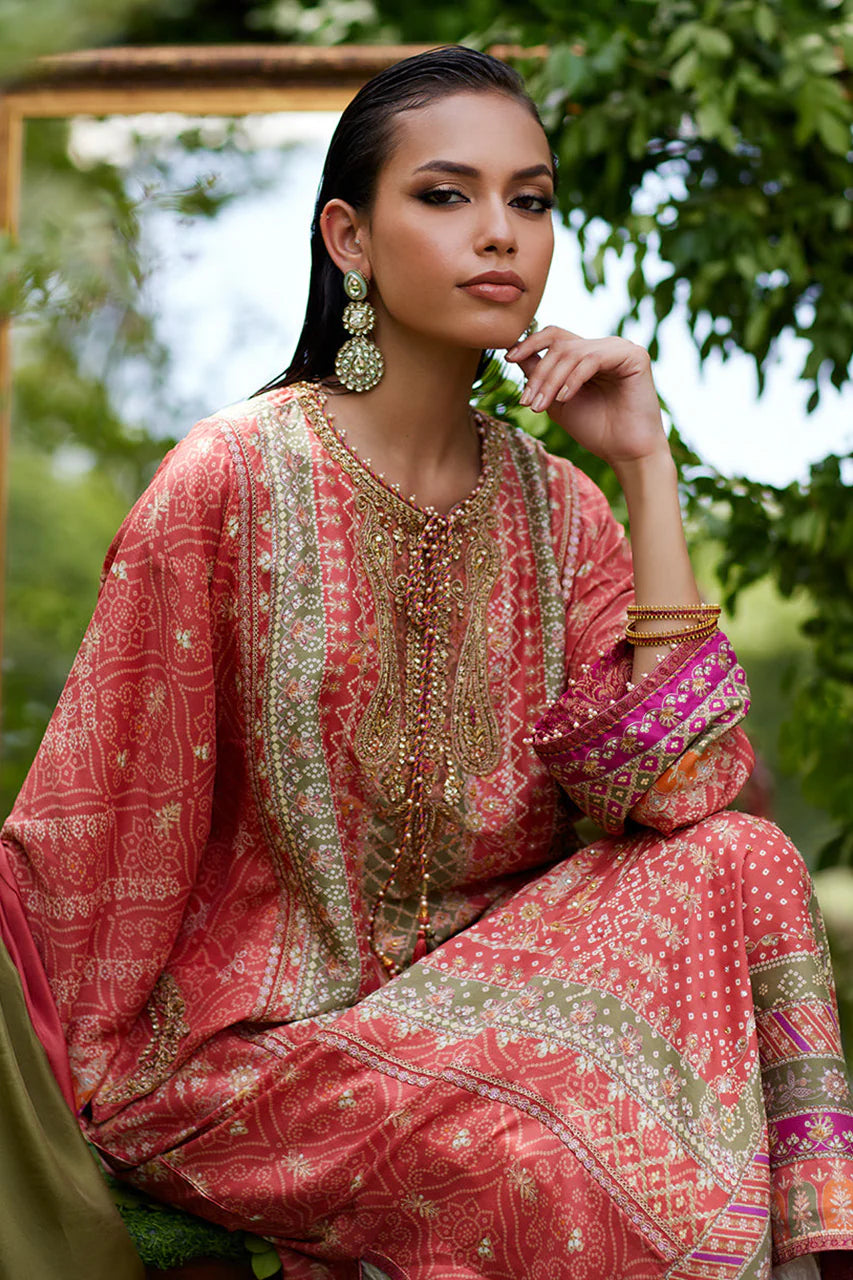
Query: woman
x=295, y=860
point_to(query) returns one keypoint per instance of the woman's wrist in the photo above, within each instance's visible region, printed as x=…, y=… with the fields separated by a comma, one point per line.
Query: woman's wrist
x=647, y=477
x=663, y=576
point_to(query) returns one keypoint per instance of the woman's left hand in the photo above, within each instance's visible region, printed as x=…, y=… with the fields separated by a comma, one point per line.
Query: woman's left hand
x=600, y=391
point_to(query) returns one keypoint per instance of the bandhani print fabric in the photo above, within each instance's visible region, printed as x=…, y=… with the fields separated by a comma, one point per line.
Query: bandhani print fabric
x=620, y=1060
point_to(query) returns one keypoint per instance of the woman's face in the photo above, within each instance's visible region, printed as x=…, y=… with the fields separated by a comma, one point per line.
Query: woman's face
x=465, y=195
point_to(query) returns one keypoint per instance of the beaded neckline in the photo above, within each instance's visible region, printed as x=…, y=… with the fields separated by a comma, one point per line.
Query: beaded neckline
x=424, y=597
x=314, y=404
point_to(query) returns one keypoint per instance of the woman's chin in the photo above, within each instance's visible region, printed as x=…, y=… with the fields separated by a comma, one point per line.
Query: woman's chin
x=498, y=334
x=500, y=337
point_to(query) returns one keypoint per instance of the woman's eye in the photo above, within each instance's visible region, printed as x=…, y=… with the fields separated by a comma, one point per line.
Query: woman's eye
x=443, y=195
x=534, y=203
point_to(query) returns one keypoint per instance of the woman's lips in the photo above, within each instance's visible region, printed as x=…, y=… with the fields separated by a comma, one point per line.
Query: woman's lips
x=493, y=292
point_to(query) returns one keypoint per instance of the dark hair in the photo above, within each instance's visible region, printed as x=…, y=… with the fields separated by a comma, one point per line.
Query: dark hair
x=359, y=147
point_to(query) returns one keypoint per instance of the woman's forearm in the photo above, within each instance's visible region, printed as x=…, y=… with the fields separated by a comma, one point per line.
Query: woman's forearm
x=663, y=575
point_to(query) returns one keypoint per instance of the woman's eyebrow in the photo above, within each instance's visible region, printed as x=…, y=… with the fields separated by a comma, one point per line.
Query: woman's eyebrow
x=449, y=166
x=535, y=171
x=468, y=171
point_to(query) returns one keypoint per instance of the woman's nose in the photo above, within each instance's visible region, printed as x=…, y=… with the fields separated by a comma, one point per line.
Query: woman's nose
x=495, y=232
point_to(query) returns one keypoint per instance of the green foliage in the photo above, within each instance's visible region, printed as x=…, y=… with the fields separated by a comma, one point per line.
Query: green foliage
x=74, y=281
x=328, y=23
x=50, y=591
x=726, y=150
x=29, y=30
x=77, y=277
x=834, y=889
x=166, y=1237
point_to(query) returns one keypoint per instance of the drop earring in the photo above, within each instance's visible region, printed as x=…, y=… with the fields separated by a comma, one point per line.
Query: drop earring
x=358, y=364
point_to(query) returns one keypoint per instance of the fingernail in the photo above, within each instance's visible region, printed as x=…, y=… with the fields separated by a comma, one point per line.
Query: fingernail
x=524, y=398
x=511, y=352
x=539, y=403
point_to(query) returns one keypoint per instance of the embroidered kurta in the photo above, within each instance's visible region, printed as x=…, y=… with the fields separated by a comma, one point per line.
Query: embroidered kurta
x=615, y=1060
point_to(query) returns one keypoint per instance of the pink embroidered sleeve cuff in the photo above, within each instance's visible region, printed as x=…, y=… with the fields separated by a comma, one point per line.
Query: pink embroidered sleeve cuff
x=608, y=744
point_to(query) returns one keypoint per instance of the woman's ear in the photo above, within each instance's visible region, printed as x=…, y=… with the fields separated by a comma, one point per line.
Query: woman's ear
x=342, y=231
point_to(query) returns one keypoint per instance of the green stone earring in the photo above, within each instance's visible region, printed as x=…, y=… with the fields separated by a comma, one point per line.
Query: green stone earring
x=358, y=364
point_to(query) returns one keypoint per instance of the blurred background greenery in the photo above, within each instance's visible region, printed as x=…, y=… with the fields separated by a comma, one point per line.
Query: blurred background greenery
x=733, y=123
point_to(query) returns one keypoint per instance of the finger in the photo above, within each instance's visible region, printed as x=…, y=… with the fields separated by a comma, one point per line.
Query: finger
x=535, y=369
x=549, y=375
x=541, y=340
x=576, y=378
x=564, y=380
x=528, y=345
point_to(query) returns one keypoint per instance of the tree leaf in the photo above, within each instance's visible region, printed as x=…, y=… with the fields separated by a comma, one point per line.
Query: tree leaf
x=684, y=72
x=712, y=42
x=682, y=39
x=256, y=1244
x=766, y=24
x=835, y=132
x=266, y=1264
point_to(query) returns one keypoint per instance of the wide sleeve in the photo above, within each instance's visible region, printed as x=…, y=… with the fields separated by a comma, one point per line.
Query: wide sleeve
x=107, y=832
x=663, y=753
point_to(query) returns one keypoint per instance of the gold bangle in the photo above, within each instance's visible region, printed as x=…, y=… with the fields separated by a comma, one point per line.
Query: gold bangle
x=647, y=639
x=648, y=612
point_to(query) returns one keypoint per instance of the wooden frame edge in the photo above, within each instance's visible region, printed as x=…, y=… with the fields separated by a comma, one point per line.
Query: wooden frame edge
x=233, y=79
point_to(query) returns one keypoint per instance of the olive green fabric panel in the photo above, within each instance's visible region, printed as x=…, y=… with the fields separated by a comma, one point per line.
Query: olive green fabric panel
x=58, y=1220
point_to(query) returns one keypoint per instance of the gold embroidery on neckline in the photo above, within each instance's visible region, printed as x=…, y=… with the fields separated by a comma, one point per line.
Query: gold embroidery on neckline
x=425, y=570
x=474, y=746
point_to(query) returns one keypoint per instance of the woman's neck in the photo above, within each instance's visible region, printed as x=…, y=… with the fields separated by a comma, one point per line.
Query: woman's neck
x=415, y=426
